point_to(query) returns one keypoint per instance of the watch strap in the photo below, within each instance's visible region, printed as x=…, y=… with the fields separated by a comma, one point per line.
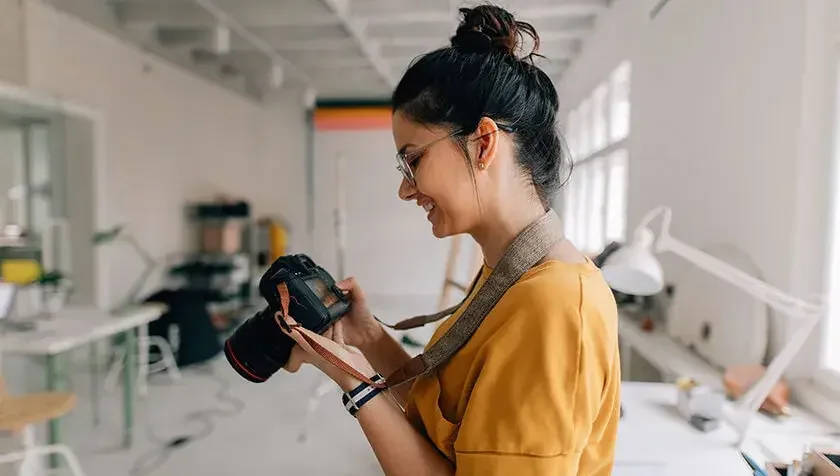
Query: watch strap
x=363, y=393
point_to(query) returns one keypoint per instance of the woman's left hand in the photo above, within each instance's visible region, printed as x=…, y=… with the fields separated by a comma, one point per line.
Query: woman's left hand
x=333, y=340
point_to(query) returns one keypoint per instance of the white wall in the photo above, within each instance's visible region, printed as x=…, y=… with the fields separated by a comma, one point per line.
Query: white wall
x=390, y=246
x=728, y=127
x=12, y=42
x=170, y=137
x=11, y=165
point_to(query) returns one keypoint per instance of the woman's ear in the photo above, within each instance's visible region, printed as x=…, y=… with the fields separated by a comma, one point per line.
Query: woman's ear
x=487, y=137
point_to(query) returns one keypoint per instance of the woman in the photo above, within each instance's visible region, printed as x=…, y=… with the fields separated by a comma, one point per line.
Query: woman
x=536, y=389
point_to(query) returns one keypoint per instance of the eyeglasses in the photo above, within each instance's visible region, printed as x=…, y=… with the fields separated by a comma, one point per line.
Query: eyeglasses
x=406, y=159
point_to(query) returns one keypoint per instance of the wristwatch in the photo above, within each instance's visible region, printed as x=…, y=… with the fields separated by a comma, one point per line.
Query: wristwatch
x=356, y=398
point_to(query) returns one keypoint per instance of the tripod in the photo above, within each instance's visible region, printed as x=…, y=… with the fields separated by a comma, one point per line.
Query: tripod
x=326, y=386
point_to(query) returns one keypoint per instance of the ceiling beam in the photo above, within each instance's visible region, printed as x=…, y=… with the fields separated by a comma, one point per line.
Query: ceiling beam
x=311, y=62
x=555, y=9
x=259, y=44
x=278, y=14
x=186, y=14
x=567, y=7
x=357, y=30
x=319, y=45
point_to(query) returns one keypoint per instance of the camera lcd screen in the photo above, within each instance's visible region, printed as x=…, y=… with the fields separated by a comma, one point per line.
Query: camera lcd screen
x=327, y=297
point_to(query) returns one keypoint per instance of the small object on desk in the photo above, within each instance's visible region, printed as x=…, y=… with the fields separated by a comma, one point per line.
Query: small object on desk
x=647, y=324
x=757, y=471
x=777, y=469
x=740, y=378
x=704, y=424
x=695, y=400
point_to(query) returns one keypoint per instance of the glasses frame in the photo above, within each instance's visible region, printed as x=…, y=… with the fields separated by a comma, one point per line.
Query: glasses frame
x=404, y=159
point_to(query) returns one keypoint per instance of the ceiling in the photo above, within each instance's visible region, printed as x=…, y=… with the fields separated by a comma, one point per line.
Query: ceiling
x=344, y=49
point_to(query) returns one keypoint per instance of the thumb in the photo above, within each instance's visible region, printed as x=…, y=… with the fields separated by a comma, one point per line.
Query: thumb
x=351, y=286
x=297, y=358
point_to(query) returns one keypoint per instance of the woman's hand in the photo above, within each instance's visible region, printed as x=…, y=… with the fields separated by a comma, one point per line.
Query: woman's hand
x=360, y=328
x=333, y=341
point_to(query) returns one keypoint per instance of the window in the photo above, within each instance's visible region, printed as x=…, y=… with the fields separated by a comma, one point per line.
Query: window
x=620, y=102
x=572, y=132
x=595, y=200
x=616, y=212
x=584, y=127
x=599, y=118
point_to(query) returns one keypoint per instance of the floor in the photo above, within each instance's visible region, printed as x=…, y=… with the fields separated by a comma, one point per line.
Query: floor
x=236, y=428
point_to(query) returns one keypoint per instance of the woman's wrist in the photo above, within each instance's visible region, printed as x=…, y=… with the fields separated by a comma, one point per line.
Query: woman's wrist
x=372, y=337
x=347, y=382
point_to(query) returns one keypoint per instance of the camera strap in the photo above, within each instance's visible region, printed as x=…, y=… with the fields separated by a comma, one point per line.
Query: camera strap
x=420, y=321
x=528, y=248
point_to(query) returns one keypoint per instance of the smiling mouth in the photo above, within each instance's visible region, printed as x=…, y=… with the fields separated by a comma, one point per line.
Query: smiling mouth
x=428, y=207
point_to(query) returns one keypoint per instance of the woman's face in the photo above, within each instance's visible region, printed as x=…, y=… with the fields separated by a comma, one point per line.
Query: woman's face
x=445, y=188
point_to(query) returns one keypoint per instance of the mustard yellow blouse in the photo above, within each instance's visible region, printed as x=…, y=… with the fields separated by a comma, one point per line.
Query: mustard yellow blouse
x=536, y=389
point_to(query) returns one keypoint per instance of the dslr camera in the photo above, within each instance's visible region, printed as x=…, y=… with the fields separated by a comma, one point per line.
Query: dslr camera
x=259, y=347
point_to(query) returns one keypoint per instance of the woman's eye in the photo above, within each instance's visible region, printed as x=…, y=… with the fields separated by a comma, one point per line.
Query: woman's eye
x=412, y=158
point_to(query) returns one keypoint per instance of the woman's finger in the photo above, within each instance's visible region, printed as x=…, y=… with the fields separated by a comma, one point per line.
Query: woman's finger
x=297, y=358
x=351, y=286
x=338, y=332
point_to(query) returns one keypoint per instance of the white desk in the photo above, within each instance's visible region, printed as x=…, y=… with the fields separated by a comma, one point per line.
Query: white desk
x=654, y=440
x=74, y=327
x=657, y=427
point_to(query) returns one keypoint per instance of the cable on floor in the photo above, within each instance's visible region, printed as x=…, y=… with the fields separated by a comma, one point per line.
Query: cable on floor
x=157, y=457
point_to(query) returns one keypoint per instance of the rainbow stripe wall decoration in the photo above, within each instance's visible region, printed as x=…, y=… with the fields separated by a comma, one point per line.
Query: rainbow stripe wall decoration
x=349, y=117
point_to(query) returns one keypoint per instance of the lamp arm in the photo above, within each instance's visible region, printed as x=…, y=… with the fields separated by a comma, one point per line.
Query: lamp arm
x=774, y=297
x=147, y=258
x=752, y=400
x=150, y=262
x=808, y=312
x=650, y=215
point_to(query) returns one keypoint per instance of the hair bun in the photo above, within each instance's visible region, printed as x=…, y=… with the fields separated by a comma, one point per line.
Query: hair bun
x=488, y=28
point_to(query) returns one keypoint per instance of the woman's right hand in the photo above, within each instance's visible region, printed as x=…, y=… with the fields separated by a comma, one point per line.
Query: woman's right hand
x=359, y=327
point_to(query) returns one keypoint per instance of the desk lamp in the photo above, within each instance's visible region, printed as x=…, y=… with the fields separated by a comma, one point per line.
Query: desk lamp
x=634, y=269
x=116, y=234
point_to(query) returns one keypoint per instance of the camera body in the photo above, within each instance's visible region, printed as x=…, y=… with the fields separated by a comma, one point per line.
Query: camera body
x=259, y=347
x=316, y=302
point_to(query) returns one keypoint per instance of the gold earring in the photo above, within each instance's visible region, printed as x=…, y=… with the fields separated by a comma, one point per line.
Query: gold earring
x=481, y=165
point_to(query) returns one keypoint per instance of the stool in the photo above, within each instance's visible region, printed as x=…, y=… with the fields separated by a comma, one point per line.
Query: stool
x=19, y=414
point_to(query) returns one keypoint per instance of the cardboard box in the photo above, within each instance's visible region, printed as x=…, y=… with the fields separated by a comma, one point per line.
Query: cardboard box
x=825, y=462
x=222, y=237
x=776, y=469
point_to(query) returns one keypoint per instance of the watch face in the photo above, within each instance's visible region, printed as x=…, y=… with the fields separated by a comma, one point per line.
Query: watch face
x=324, y=293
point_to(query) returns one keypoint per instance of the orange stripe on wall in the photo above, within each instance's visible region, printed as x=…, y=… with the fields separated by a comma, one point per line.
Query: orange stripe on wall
x=353, y=118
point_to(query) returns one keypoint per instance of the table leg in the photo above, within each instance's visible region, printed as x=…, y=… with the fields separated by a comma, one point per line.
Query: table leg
x=129, y=378
x=143, y=364
x=94, y=382
x=55, y=383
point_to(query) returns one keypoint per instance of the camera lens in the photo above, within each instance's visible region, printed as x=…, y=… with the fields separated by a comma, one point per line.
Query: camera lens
x=258, y=348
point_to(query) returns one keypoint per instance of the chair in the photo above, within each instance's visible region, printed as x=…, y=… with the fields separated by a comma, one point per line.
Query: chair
x=145, y=342
x=19, y=414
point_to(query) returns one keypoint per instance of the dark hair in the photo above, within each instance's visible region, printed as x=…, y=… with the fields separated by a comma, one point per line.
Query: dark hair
x=483, y=75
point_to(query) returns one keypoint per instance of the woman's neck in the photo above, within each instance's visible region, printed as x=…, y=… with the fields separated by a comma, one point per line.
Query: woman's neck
x=495, y=237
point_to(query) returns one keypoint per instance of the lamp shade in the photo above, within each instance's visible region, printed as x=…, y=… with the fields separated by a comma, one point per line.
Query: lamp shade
x=634, y=269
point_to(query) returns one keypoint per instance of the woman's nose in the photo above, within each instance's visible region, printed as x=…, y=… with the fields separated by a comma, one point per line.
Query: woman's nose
x=406, y=190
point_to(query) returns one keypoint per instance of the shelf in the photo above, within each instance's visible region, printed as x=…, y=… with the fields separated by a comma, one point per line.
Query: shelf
x=667, y=355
